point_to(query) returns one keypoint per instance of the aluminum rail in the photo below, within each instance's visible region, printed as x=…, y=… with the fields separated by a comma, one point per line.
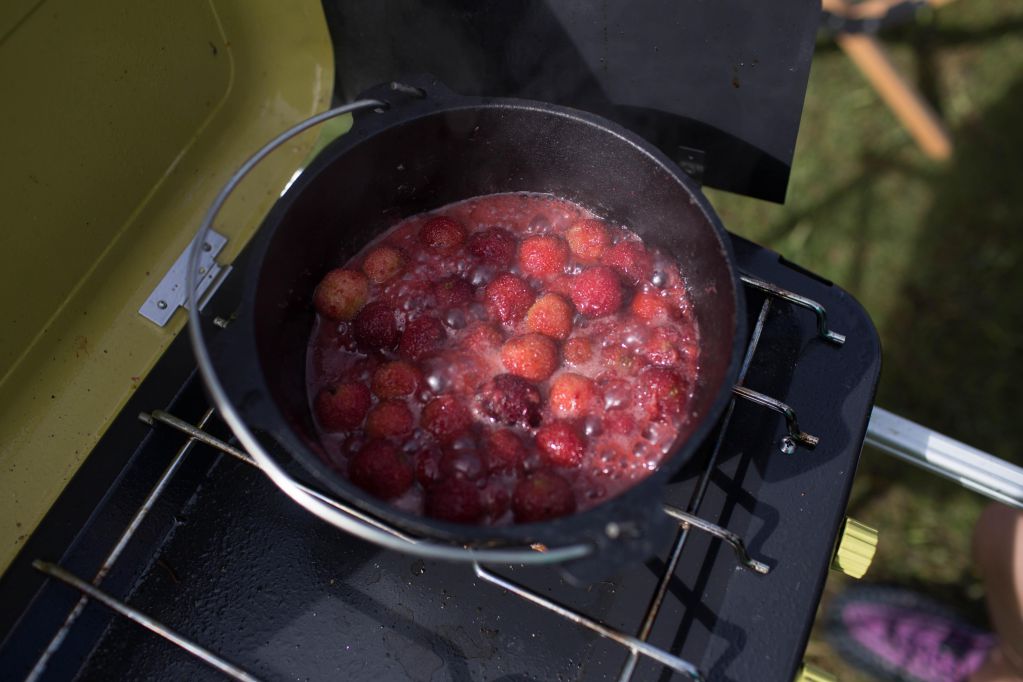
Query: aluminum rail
x=935, y=452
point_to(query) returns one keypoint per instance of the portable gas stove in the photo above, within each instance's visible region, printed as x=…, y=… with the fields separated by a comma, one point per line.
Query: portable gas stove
x=168, y=554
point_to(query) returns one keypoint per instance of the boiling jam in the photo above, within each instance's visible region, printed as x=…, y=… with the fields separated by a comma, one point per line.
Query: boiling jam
x=506, y=359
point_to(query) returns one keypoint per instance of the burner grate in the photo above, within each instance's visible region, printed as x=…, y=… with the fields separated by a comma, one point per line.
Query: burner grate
x=637, y=645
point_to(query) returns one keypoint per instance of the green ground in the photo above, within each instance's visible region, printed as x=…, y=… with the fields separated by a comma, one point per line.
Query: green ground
x=932, y=252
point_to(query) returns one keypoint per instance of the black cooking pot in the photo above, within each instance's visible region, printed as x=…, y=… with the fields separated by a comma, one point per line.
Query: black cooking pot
x=429, y=148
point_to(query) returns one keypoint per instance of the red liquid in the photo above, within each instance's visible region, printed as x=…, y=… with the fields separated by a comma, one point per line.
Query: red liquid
x=599, y=434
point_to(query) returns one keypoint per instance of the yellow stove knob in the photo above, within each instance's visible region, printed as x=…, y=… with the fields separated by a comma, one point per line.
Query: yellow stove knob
x=808, y=673
x=857, y=544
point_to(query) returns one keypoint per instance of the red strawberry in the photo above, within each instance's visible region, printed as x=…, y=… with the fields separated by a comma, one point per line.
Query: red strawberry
x=454, y=500
x=561, y=444
x=578, y=350
x=543, y=256
x=453, y=292
x=531, y=356
x=662, y=392
x=442, y=233
x=446, y=418
x=596, y=292
x=482, y=338
x=550, y=315
x=630, y=259
x=389, y=419
x=375, y=327
x=341, y=294
x=508, y=297
x=572, y=395
x=380, y=469
x=383, y=263
x=505, y=452
x=588, y=240
x=667, y=347
x=342, y=408
x=649, y=306
x=493, y=246
x=617, y=357
x=511, y=400
x=462, y=463
x=396, y=379
x=421, y=336
x=541, y=496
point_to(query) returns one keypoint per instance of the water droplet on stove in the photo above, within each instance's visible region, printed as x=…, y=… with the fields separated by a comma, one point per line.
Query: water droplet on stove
x=418, y=567
x=787, y=445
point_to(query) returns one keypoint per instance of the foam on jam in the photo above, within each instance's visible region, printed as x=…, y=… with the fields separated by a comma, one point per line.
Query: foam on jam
x=467, y=370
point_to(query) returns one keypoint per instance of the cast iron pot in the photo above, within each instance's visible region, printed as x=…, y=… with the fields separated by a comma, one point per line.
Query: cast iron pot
x=430, y=147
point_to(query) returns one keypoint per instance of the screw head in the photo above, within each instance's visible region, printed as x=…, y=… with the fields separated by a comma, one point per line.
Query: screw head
x=787, y=445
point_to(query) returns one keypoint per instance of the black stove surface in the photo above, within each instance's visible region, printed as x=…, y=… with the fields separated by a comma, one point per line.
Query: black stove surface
x=230, y=562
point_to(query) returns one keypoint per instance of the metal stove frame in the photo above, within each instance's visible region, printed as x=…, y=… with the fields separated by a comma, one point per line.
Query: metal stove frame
x=637, y=644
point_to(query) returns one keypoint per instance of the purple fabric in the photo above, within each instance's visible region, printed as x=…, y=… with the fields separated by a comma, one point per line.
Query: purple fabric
x=923, y=646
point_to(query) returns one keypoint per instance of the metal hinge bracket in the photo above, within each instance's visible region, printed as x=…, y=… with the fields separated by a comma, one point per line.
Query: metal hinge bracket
x=170, y=294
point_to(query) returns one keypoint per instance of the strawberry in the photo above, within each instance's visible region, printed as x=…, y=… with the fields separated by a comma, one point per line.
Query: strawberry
x=341, y=294
x=482, y=338
x=550, y=315
x=508, y=298
x=510, y=400
x=383, y=263
x=541, y=496
x=446, y=418
x=649, y=306
x=530, y=356
x=578, y=350
x=389, y=419
x=342, y=408
x=422, y=335
x=381, y=470
x=543, y=256
x=561, y=444
x=453, y=292
x=572, y=395
x=396, y=379
x=588, y=239
x=662, y=392
x=495, y=246
x=619, y=358
x=505, y=452
x=596, y=292
x=375, y=327
x=631, y=260
x=455, y=500
x=442, y=233
x=667, y=347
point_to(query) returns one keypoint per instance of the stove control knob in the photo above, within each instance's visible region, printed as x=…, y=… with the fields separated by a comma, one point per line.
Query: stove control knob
x=809, y=673
x=855, y=549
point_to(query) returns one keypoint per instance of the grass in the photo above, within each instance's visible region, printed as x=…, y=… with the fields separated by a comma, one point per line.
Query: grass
x=933, y=252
